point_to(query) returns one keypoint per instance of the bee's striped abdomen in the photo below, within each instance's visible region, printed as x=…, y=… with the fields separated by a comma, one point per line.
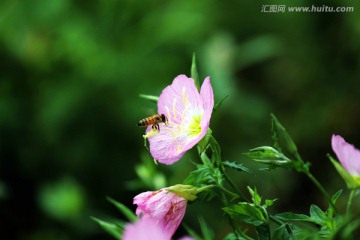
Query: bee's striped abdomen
x=148, y=121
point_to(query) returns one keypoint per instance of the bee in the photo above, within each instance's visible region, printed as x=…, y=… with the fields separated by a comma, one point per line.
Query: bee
x=154, y=121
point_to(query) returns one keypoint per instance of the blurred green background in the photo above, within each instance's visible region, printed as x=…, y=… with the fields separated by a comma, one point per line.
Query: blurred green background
x=71, y=72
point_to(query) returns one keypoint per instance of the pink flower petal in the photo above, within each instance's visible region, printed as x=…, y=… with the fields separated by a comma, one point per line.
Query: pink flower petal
x=347, y=154
x=186, y=238
x=166, y=208
x=207, y=95
x=142, y=229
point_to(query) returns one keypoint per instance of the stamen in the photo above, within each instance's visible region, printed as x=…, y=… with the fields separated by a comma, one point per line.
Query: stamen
x=168, y=114
x=174, y=108
x=184, y=97
x=173, y=134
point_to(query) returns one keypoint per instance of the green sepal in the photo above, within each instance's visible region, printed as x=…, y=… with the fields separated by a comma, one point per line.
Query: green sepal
x=151, y=98
x=194, y=72
x=111, y=228
x=188, y=192
x=268, y=155
x=245, y=212
x=123, y=209
x=351, y=181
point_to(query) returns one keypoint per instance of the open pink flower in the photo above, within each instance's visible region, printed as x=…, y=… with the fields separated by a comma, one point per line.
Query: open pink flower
x=144, y=229
x=347, y=154
x=188, y=113
x=165, y=208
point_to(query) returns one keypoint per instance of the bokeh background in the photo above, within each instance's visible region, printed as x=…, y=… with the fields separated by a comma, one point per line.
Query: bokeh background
x=70, y=77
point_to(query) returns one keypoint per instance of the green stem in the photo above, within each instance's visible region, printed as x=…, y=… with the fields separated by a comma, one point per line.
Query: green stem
x=229, y=192
x=321, y=188
x=352, y=194
x=232, y=184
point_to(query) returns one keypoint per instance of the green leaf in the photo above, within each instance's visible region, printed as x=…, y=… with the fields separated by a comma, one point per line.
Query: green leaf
x=317, y=215
x=283, y=136
x=282, y=232
x=151, y=98
x=123, y=209
x=207, y=233
x=263, y=232
x=113, y=229
x=334, y=198
x=231, y=236
x=350, y=181
x=218, y=104
x=215, y=148
x=194, y=72
x=192, y=233
x=204, y=143
x=237, y=166
x=289, y=216
x=245, y=212
x=255, y=196
x=205, y=175
x=347, y=230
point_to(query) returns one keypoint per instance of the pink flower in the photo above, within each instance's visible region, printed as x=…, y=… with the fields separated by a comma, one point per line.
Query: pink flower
x=143, y=229
x=188, y=113
x=347, y=154
x=186, y=238
x=165, y=208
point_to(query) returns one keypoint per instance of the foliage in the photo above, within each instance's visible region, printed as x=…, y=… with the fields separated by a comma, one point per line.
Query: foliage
x=71, y=72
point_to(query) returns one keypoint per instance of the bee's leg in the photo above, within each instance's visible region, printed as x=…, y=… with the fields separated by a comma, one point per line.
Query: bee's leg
x=155, y=127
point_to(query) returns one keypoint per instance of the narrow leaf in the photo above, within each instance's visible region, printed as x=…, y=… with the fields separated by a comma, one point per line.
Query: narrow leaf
x=335, y=197
x=218, y=104
x=289, y=216
x=151, y=98
x=113, y=229
x=215, y=147
x=237, y=166
x=192, y=233
x=205, y=230
x=123, y=209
